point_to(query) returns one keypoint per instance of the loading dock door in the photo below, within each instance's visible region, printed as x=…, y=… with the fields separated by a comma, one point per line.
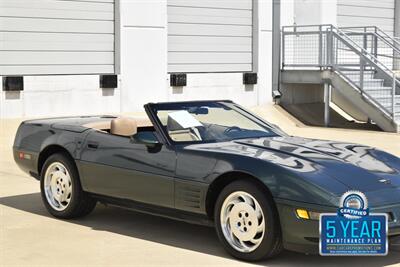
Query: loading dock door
x=210, y=35
x=44, y=37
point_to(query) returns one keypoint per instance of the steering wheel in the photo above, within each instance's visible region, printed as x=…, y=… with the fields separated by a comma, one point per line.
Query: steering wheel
x=232, y=128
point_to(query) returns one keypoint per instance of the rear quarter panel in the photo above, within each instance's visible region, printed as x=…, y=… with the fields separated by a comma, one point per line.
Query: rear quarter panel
x=33, y=138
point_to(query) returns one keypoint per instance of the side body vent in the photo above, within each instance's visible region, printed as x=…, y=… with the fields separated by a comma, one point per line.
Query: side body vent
x=190, y=196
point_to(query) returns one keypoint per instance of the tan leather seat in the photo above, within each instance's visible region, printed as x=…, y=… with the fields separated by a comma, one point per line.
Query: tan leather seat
x=124, y=126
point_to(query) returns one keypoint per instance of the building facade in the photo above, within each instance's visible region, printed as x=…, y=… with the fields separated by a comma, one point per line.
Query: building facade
x=61, y=48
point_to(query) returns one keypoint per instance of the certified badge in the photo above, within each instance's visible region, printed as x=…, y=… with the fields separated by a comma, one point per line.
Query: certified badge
x=353, y=230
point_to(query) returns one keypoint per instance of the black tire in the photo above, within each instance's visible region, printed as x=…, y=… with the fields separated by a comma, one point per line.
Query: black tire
x=271, y=244
x=81, y=204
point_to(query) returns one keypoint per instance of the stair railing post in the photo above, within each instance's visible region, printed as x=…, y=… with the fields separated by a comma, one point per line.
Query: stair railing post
x=329, y=44
x=362, y=62
x=327, y=100
x=375, y=44
x=320, y=47
x=362, y=73
x=331, y=62
x=393, y=94
x=283, y=48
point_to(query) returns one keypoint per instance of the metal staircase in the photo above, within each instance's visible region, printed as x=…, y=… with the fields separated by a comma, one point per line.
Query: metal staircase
x=360, y=62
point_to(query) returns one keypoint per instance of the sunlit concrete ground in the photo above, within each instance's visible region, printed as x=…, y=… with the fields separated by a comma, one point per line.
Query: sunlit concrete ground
x=112, y=236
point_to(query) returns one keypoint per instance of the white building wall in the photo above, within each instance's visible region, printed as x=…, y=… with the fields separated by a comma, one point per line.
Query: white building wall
x=367, y=13
x=311, y=12
x=342, y=13
x=146, y=41
x=144, y=75
x=59, y=95
x=287, y=12
x=230, y=85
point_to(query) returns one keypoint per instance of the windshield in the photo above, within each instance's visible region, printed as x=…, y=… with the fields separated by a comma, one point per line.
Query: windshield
x=209, y=122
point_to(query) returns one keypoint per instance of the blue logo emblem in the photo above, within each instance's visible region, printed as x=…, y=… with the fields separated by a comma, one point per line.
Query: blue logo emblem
x=353, y=230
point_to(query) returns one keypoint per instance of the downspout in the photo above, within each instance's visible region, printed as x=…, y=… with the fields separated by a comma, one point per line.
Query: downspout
x=396, y=62
x=276, y=49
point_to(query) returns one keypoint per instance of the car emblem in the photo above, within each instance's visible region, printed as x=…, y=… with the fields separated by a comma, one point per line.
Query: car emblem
x=385, y=181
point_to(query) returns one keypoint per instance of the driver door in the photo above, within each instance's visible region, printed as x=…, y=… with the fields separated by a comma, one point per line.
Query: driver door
x=116, y=166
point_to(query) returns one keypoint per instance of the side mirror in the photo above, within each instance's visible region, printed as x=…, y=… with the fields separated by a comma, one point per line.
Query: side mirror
x=146, y=138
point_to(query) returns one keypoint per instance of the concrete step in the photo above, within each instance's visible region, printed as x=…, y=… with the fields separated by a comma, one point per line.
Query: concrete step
x=371, y=83
x=388, y=105
x=378, y=91
x=356, y=73
x=387, y=98
x=397, y=117
x=378, y=114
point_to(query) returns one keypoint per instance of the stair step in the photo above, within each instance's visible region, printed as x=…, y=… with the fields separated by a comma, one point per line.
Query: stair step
x=387, y=98
x=397, y=118
x=369, y=80
x=388, y=106
x=371, y=83
x=369, y=73
x=378, y=91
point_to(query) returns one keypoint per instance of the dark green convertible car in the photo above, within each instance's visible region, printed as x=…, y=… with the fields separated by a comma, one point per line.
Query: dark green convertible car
x=206, y=162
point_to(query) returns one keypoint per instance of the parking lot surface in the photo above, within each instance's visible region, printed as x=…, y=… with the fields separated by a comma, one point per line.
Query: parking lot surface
x=115, y=237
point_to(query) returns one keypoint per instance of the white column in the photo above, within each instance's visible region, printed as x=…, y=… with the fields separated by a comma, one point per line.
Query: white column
x=144, y=53
x=327, y=100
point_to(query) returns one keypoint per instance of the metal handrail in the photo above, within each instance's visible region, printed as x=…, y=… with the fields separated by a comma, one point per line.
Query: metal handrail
x=374, y=62
x=389, y=37
x=377, y=32
x=332, y=29
x=332, y=32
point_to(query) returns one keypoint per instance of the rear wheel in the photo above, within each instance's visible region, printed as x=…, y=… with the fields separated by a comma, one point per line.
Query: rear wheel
x=247, y=223
x=61, y=190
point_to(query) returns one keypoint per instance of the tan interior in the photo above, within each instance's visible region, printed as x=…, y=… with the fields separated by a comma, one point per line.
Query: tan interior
x=124, y=126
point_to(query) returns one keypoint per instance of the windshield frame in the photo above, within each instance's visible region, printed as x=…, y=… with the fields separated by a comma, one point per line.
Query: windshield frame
x=153, y=109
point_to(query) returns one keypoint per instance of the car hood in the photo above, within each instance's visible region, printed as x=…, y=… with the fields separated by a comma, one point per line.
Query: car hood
x=355, y=167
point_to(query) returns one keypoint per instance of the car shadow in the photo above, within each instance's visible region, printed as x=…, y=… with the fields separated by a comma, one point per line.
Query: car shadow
x=180, y=234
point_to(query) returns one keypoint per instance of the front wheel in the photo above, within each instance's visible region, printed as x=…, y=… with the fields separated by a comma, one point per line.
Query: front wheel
x=61, y=190
x=247, y=223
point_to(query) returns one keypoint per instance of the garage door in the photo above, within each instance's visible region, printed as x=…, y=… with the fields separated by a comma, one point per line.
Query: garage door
x=56, y=37
x=367, y=13
x=210, y=35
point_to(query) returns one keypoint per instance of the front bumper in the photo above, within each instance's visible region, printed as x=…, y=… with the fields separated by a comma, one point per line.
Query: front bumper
x=302, y=235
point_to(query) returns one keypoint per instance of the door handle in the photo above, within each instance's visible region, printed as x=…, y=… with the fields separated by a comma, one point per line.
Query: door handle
x=93, y=145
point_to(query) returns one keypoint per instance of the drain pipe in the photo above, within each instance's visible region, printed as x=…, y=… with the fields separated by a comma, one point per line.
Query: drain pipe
x=396, y=63
x=276, y=50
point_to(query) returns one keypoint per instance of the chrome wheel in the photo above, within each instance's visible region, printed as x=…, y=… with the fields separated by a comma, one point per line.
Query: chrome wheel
x=242, y=221
x=58, y=186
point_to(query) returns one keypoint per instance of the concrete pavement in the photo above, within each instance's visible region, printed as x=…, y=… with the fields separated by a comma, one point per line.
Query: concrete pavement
x=117, y=237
